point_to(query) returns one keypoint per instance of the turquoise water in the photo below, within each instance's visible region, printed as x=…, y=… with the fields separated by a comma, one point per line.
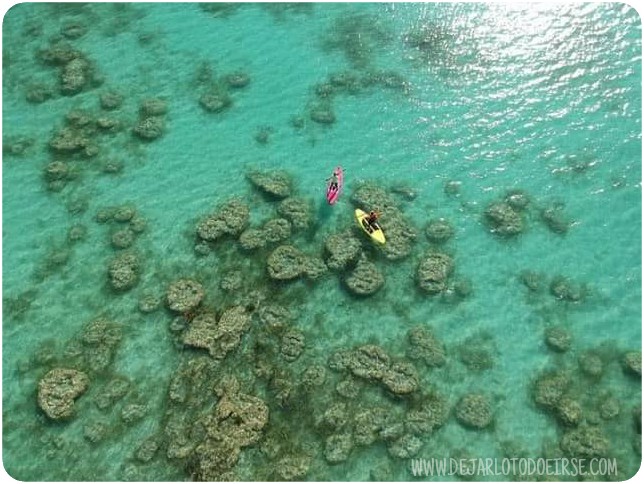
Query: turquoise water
x=484, y=99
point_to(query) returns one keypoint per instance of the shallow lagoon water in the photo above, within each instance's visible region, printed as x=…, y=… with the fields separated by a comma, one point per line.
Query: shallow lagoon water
x=543, y=99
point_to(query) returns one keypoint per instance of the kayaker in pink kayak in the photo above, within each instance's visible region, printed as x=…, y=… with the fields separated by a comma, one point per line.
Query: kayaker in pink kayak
x=334, y=185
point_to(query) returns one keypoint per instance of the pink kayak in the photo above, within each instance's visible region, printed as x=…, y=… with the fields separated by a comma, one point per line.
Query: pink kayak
x=332, y=191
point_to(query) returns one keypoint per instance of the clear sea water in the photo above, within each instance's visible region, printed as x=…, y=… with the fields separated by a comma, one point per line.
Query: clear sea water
x=542, y=98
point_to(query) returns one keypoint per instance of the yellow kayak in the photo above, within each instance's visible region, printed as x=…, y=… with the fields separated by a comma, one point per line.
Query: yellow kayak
x=376, y=234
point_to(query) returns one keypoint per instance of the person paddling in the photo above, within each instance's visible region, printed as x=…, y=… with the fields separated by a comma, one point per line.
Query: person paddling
x=372, y=220
x=334, y=185
x=333, y=181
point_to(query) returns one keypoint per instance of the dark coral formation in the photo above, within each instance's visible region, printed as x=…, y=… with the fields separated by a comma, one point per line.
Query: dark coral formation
x=364, y=279
x=373, y=364
x=558, y=339
x=184, y=295
x=439, y=231
x=276, y=184
x=433, y=271
x=235, y=423
x=424, y=346
x=230, y=219
x=217, y=91
x=555, y=219
x=221, y=336
x=343, y=250
x=474, y=411
x=357, y=36
x=124, y=271
x=57, y=391
x=297, y=210
x=286, y=262
x=503, y=219
x=152, y=119
x=76, y=72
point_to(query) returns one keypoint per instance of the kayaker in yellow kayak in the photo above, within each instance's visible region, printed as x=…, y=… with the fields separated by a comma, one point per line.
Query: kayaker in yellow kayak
x=369, y=224
x=372, y=220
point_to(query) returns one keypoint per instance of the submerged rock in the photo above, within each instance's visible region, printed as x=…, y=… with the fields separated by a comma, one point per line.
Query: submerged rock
x=343, y=250
x=405, y=447
x=276, y=184
x=218, y=337
x=274, y=316
x=503, y=219
x=517, y=199
x=368, y=361
x=292, y=344
x=184, y=295
x=150, y=128
x=230, y=220
x=400, y=235
x=96, y=431
x=237, y=422
x=57, y=391
x=431, y=414
x=293, y=467
x=297, y=210
x=322, y=113
x=153, y=107
x=591, y=364
x=367, y=424
x=433, y=271
x=147, y=449
x=276, y=230
x=558, y=339
x=133, y=412
x=564, y=289
x=111, y=100
x=532, y=280
x=609, y=408
x=38, y=93
x=477, y=352
x=586, y=441
x=75, y=76
x=237, y=80
x=148, y=303
x=112, y=392
x=338, y=448
x=549, y=388
x=424, y=346
x=314, y=268
x=335, y=417
x=474, y=411
x=365, y=279
x=68, y=140
x=313, y=376
x=215, y=100
x=100, y=338
x=555, y=219
x=285, y=263
x=632, y=363
x=56, y=170
x=439, y=231
x=569, y=411
x=252, y=239
x=124, y=213
x=372, y=363
x=401, y=378
x=123, y=271
x=122, y=239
